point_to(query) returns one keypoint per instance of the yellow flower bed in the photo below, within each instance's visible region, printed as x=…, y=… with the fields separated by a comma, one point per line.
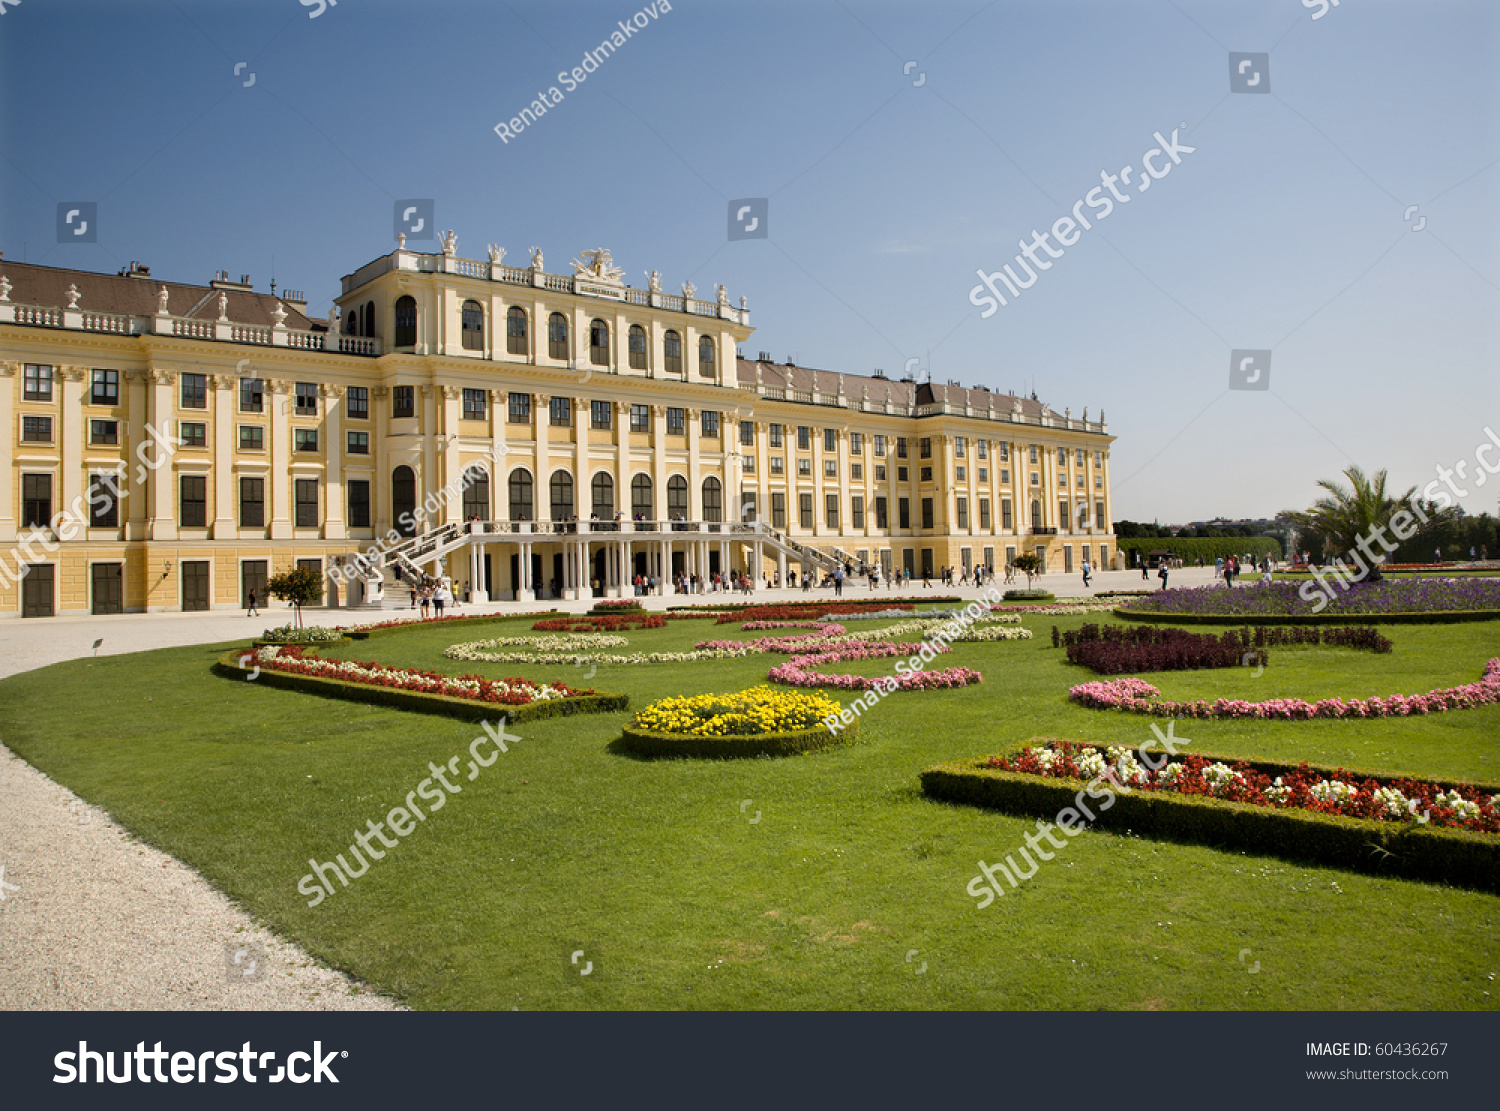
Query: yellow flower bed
x=744, y=713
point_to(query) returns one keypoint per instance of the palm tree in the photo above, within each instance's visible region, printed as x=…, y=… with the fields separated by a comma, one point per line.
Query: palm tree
x=1349, y=515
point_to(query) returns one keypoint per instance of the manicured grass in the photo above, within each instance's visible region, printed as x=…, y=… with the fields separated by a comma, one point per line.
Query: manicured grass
x=656, y=870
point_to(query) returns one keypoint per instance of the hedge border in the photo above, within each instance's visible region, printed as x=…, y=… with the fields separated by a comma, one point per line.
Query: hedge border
x=1451, y=617
x=655, y=745
x=464, y=709
x=1407, y=851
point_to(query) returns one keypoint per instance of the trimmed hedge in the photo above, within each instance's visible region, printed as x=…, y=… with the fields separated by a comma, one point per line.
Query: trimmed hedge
x=1189, y=548
x=645, y=742
x=1029, y=596
x=1404, y=850
x=464, y=709
x=1450, y=617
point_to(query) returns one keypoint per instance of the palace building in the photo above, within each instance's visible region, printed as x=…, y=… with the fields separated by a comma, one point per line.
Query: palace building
x=531, y=434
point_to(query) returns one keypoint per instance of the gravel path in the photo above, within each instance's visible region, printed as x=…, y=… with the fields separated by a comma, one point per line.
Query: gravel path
x=91, y=918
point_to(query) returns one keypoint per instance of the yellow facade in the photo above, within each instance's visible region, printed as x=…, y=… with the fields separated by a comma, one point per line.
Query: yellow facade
x=246, y=437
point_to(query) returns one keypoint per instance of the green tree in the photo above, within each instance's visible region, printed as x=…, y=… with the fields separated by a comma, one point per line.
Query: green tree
x=300, y=587
x=1347, y=515
x=1027, y=564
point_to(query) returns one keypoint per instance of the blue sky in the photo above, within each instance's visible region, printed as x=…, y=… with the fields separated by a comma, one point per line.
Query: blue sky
x=1284, y=230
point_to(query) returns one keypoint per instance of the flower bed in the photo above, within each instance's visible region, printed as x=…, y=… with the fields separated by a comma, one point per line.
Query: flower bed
x=395, y=625
x=608, y=623
x=803, y=611
x=1139, y=697
x=799, y=671
x=471, y=697
x=1029, y=595
x=756, y=722
x=1115, y=649
x=310, y=634
x=1059, y=609
x=1407, y=849
x=1419, y=599
x=619, y=605
x=581, y=648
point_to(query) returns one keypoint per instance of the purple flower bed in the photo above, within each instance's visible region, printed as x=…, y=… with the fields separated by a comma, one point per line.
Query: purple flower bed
x=1115, y=649
x=1286, y=599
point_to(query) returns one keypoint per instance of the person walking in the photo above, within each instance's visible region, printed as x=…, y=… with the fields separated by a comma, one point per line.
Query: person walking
x=1161, y=573
x=1085, y=574
x=838, y=582
x=250, y=610
x=439, y=598
x=424, y=599
x=1144, y=576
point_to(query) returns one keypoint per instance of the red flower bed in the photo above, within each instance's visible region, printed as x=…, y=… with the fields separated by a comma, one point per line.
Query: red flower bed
x=477, y=688
x=608, y=623
x=1115, y=649
x=799, y=611
x=627, y=605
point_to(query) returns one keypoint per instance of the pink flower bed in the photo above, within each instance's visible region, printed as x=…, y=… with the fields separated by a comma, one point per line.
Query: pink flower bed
x=800, y=670
x=506, y=692
x=1139, y=697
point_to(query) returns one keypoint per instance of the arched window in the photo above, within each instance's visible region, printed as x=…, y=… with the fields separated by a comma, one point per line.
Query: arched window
x=404, y=500
x=557, y=336
x=515, y=331
x=677, y=498
x=642, y=505
x=520, y=495
x=477, y=493
x=473, y=326
x=369, y=328
x=598, y=342
x=604, y=496
x=1036, y=513
x=562, y=495
x=706, y=357
x=351, y=321
x=637, y=347
x=713, y=499
x=406, y=322
x=672, y=343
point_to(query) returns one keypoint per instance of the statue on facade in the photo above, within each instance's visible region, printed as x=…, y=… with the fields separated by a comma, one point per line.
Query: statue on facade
x=161, y=301
x=653, y=280
x=536, y=259
x=688, y=289
x=5, y=288
x=450, y=243
x=722, y=294
x=597, y=264
x=223, y=306
x=72, y=295
x=497, y=255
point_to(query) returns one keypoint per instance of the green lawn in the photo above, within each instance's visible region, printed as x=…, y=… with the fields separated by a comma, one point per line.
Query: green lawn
x=658, y=873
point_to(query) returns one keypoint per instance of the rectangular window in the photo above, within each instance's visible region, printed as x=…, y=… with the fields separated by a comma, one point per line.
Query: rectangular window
x=359, y=503
x=900, y=447
x=676, y=421
x=104, y=432
x=1062, y=457
x=37, y=383
x=560, y=411
x=1004, y=452
x=856, y=443
x=775, y=435
x=1099, y=521
x=960, y=445
x=601, y=414
x=106, y=388
x=304, y=439
x=880, y=447
x=778, y=464
x=881, y=513
x=192, y=433
x=1005, y=475
x=193, y=391
x=192, y=509
x=805, y=510
x=307, y=399
x=476, y=404
x=36, y=500
x=747, y=433
x=927, y=513
x=804, y=438
x=831, y=510
x=903, y=474
x=640, y=418
x=830, y=439
x=961, y=511
x=357, y=403
x=1033, y=455
x=252, y=395
x=857, y=511
x=1062, y=482
x=36, y=430
x=830, y=468
x=983, y=448
x=104, y=501
x=747, y=464
x=358, y=443
x=1036, y=479
x=804, y=466
x=1080, y=482
x=960, y=474
x=903, y=513
x=1062, y=516
x=252, y=437
x=857, y=471
x=520, y=408
x=672, y=351
x=305, y=496
x=252, y=502
x=926, y=475
x=709, y=422
x=925, y=447
x=636, y=345
x=1079, y=458
x=403, y=401
x=879, y=472
x=1005, y=517
x=984, y=513
x=778, y=510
